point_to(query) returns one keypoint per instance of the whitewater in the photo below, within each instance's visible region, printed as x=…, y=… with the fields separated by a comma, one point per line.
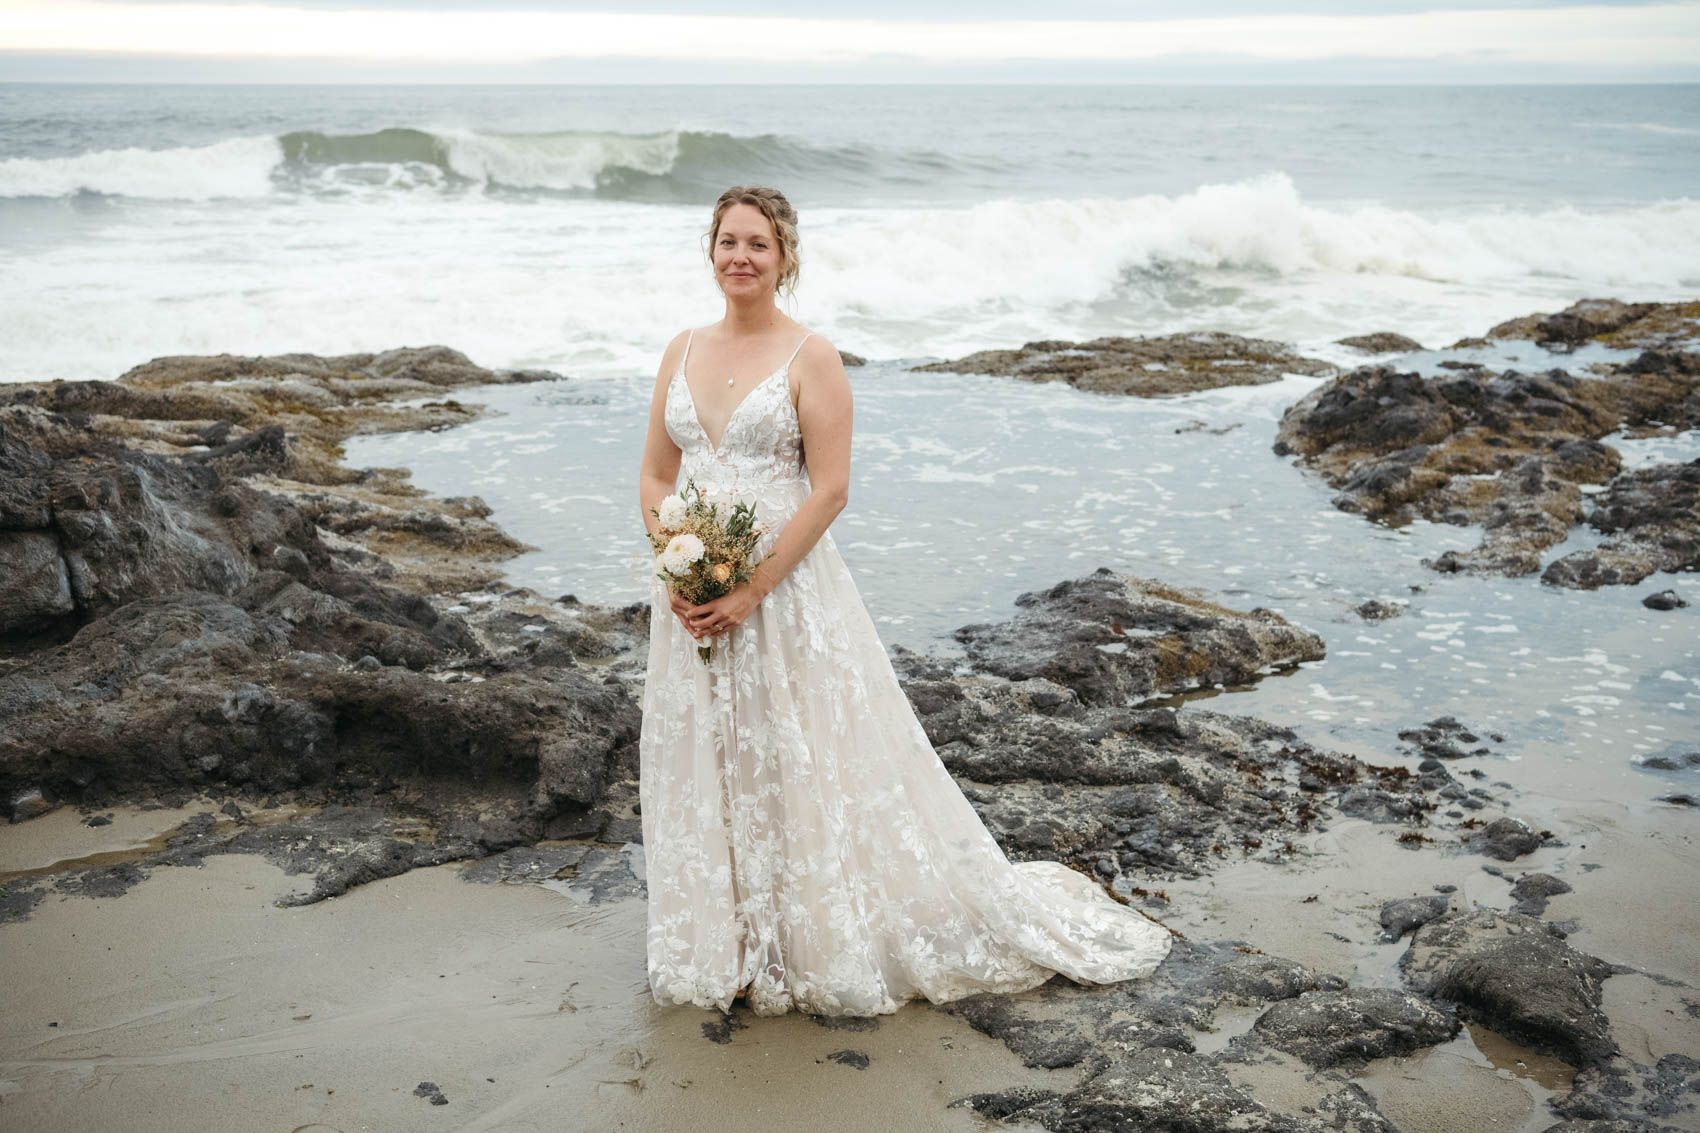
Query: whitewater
x=561, y=228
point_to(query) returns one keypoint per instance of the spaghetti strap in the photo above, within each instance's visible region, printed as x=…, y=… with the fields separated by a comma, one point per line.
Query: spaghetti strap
x=797, y=351
x=689, y=334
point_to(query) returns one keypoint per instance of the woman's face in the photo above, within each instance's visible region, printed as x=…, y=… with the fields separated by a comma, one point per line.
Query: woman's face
x=747, y=259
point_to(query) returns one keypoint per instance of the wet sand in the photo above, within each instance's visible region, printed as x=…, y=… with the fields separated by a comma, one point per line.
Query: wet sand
x=1631, y=905
x=194, y=1002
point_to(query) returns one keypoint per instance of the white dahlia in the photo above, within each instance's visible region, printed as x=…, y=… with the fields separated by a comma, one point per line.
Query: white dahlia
x=671, y=511
x=686, y=545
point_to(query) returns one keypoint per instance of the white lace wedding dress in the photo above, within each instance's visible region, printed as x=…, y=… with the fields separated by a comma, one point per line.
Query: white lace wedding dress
x=801, y=837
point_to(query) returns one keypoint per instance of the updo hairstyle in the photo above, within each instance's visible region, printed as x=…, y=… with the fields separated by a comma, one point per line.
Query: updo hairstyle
x=779, y=213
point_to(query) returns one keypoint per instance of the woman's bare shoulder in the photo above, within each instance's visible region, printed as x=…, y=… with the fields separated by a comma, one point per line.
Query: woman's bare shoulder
x=674, y=351
x=819, y=353
x=820, y=368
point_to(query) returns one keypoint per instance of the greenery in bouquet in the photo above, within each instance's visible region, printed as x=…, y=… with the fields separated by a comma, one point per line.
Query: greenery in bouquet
x=699, y=555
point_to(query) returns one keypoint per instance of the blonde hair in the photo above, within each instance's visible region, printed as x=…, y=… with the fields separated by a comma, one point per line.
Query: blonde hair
x=779, y=213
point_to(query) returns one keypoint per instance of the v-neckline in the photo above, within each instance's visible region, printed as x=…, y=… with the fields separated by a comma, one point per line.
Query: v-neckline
x=696, y=415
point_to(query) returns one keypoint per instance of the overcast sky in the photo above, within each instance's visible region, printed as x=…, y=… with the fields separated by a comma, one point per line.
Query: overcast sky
x=839, y=41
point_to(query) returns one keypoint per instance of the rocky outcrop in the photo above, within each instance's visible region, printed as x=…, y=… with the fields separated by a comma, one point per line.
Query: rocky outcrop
x=1608, y=321
x=1445, y=737
x=286, y=411
x=1379, y=610
x=190, y=689
x=1621, y=1096
x=1117, y=640
x=1166, y=1091
x=1381, y=342
x=1139, y=1068
x=1128, y=790
x=186, y=615
x=143, y=484
x=1531, y=892
x=1507, y=839
x=1410, y=913
x=1142, y=367
x=1512, y=452
x=1517, y=975
x=1353, y=1025
x=1652, y=519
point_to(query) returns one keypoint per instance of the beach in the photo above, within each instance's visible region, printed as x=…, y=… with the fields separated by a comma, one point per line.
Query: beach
x=1306, y=549
x=527, y=1005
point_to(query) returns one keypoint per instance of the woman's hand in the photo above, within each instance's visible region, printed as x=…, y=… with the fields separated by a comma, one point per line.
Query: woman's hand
x=682, y=609
x=724, y=613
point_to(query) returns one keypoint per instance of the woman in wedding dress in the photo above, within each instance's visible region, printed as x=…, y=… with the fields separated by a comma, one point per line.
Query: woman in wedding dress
x=804, y=845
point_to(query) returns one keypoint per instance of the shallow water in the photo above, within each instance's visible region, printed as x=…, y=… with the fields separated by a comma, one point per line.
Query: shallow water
x=970, y=490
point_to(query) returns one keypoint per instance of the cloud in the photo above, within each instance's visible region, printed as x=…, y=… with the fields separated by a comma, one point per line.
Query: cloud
x=911, y=10
x=1664, y=35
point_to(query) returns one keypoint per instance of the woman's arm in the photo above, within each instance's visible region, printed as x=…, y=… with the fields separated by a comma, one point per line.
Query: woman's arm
x=660, y=468
x=825, y=411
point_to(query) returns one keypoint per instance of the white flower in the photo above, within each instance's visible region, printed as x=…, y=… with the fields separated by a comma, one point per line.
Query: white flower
x=672, y=562
x=686, y=546
x=671, y=511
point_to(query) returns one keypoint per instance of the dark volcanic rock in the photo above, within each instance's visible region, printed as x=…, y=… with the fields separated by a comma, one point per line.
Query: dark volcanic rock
x=1122, y=789
x=215, y=634
x=1653, y=518
x=222, y=419
x=1142, y=367
x=1532, y=890
x=1609, y=1127
x=1517, y=975
x=595, y=874
x=1164, y=1091
x=190, y=689
x=1378, y=804
x=28, y=803
x=1507, y=451
x=1381, y=342
x=1117, y=640
x=1139, y=1073
x=1376, y=610
x=38, y=590
x=1062, y=1024
x=372, y=835
x=1610, y=321
x=1664, y=600
x=1507, y=839
x=1409, y=913
x=1684, y=761
x=1623, y=1095
x=1138, y=1066
x=1353, y=1025
x=1444, y=738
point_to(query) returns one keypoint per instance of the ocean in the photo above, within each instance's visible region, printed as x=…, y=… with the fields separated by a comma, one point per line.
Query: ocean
x=559, y=227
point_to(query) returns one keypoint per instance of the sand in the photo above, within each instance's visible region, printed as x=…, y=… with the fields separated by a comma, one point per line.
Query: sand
x=193, y=1002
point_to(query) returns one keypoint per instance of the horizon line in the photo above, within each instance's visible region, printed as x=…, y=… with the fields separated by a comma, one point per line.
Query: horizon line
x=1223, y=82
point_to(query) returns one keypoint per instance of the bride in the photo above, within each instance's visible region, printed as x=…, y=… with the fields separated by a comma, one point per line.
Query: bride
x=805, y=846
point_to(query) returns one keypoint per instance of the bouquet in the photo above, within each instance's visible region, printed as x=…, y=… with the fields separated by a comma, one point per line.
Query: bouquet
x=700, y=557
